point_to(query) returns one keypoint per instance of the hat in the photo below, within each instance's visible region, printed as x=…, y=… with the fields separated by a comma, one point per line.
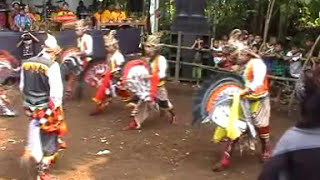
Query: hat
x=153, y=40
x=15, y=2
x=52, y=44
x=109, y=39
x=81, y=25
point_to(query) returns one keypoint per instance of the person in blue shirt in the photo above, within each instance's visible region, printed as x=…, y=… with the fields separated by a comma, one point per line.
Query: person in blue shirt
x=22, y=20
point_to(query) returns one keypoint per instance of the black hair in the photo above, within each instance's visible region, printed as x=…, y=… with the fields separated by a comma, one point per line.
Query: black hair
x=310, y=103
x=65, y=4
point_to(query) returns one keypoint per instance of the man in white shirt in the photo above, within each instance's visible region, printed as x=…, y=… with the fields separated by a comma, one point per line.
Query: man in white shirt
x=158, y=93
x=42, y=88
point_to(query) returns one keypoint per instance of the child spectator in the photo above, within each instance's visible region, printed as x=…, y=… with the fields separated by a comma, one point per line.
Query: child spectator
x=257, y=41
x=216, y=51
x=255, y=49
x=279, y=66
x=197, y=71
x=268, y=53
x=294, y=57
x=22, y=20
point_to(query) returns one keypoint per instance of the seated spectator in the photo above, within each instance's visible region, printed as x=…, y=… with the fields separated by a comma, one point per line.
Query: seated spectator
x=296, y=155
x=98, y=16
x=3, y=16
x=294, y=58
x=23, y=21
x=117, y=15
x=65, y=15
x=81, y=9
x=31, y=14
x=279, y=65
x=107, y=14
x=14, y=11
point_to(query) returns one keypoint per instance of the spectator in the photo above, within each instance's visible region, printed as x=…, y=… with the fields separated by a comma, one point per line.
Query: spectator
x=31, y=14
x=296, y=155
x=255, y=49
x=3, y=16
x=268, y=54
x=251, y=40
x=81, y=9
x=197, y=71
x=226, y=62
x=107, y=14
x=98, y=16
x=257, y=41
x=117, y=15
x=216, y=51
x=22, y=21
x=14, y=11
x=279, y=66
x=294, y=57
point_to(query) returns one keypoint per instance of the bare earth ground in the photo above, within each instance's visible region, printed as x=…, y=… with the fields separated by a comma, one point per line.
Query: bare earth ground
x=159, y=151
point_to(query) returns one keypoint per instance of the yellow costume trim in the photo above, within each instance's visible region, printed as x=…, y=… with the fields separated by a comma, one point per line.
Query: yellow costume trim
x=35, y=67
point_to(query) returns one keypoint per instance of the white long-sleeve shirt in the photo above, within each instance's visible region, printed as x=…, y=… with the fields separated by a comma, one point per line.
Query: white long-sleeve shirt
x=163, y=66
x=85, y=44
x=259, y=74
x=55, y=83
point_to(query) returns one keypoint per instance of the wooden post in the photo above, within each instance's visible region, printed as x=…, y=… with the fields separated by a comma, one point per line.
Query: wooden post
x=177, y=69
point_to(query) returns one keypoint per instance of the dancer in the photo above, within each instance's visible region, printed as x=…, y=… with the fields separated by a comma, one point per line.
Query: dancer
x=112, y=76
x=158, y=68
x=85, y=45
x=256, y=96
x=41, y=85
x=7, y=66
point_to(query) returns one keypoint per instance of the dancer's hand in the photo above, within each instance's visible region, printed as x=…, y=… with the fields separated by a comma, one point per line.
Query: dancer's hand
x=244, y=92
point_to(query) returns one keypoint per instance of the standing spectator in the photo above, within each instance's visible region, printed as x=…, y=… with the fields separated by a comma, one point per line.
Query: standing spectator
x=257, y=41
x=255, y=49
x=268, y=53
x=14, y=11
x=296, y=155
x=197, y=71
x=294, y=57
x=216, y=51
x=22, y=21
x=251, y=40
x=279, y=65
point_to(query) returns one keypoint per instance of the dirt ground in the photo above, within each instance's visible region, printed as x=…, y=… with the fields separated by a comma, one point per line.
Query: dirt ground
x=159, y=151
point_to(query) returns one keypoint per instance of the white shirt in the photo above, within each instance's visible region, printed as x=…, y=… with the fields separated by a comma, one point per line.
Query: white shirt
x=259, y=74
x=85, y=44
x=55, y=83
x=163, y=66
x=118, y=58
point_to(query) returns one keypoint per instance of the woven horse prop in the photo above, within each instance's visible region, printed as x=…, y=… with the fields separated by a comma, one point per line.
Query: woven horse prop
x=215, y=103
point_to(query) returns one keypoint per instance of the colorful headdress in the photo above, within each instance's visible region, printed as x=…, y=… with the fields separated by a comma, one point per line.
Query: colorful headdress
x=109, y=39
x=81, y=25
x=154, y=40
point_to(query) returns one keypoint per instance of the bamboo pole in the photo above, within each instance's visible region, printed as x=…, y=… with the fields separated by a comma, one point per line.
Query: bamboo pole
x=177, y=67
x=267, y=23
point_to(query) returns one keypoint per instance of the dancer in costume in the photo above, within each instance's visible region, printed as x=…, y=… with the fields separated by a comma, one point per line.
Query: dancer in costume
x=42, y=87
x=158, y=67
x=256, y=96
x=85, y=45
x=112, y=76
x=8, y=64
